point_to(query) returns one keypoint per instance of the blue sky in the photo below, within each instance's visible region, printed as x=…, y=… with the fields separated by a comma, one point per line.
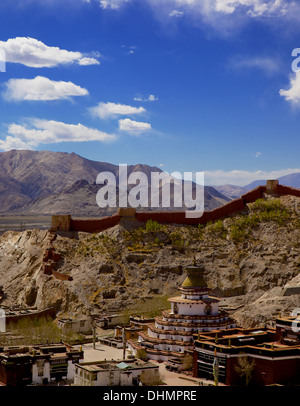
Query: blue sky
x=187, y=85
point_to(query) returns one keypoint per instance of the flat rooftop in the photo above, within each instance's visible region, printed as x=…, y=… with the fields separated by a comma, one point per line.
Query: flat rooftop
x=99, y=366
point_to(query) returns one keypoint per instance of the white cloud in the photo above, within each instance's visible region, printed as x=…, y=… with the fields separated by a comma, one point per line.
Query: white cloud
x=224, y=16
x=252, y=7
x=112, y=110
x=267, y=64
x=85, y=61
x=293, y=93
x=241, y=178
x=112, y=4
x=50, y=132
x=129, y=49
x=133, y=127
x=258, y=154
x=41, y=88
x=205, y=8
x=176, y=13
x=35, y=54
x=151, y=97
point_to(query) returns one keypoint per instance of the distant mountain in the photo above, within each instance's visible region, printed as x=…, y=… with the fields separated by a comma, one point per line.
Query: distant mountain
x=292, y=180
x=255, y=184
x=231, y=191
x=44, y=182
x=234, y=192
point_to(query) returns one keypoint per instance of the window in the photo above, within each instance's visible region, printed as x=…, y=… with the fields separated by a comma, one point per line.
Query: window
x=40, y=367
x=59, y=361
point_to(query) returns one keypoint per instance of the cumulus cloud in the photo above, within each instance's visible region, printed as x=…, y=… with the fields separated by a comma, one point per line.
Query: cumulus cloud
x=85, y=61
x=50, y=132
x=292, y=94
x=41, y=88
x=133, y=127
x=35, y=54
x=112, y=110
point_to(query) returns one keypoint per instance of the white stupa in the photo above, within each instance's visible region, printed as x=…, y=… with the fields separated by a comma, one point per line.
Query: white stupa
x=191, y=312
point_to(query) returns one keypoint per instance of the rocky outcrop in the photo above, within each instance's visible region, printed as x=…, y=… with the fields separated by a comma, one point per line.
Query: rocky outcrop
x=256, y=276
x=51, y=261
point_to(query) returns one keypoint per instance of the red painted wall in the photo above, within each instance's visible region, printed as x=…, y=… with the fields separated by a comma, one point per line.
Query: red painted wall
x=286, y=190
x=94, y=225
x=97, y=225
x=265, y=372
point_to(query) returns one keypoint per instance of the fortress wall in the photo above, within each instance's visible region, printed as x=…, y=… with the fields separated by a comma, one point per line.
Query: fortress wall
x=286, y=190
x=234, y=206
x=60, y=222
x=254, y=194
x=225, y=210
x=94, y=225
x=162, y=217
x=179, y=217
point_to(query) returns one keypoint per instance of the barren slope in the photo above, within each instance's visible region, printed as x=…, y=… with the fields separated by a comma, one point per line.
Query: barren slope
x=252, y=261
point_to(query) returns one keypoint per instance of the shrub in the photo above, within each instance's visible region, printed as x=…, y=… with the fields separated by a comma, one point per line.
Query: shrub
x=271, y=210
x=152, y=226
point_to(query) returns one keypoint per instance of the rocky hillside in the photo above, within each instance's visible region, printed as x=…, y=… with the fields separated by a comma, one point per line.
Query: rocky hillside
x=252, y=262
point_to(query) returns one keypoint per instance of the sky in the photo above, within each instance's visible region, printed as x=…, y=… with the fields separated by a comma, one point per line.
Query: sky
x=185, y=85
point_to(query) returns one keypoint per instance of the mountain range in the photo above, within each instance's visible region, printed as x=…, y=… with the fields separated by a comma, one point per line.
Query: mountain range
x=233, y=192
x=44, y=182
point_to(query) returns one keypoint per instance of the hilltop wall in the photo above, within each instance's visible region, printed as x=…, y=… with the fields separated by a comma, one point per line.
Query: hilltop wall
x=286, y=190
x=172, y=217
x=94, y=225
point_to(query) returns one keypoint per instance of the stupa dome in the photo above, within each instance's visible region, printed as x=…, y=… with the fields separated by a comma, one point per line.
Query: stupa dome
x=194, y=278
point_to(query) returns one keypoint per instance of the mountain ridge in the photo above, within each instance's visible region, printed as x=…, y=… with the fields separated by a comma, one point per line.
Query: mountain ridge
x=46, y=182
x=234, y=191
x=292, y=180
